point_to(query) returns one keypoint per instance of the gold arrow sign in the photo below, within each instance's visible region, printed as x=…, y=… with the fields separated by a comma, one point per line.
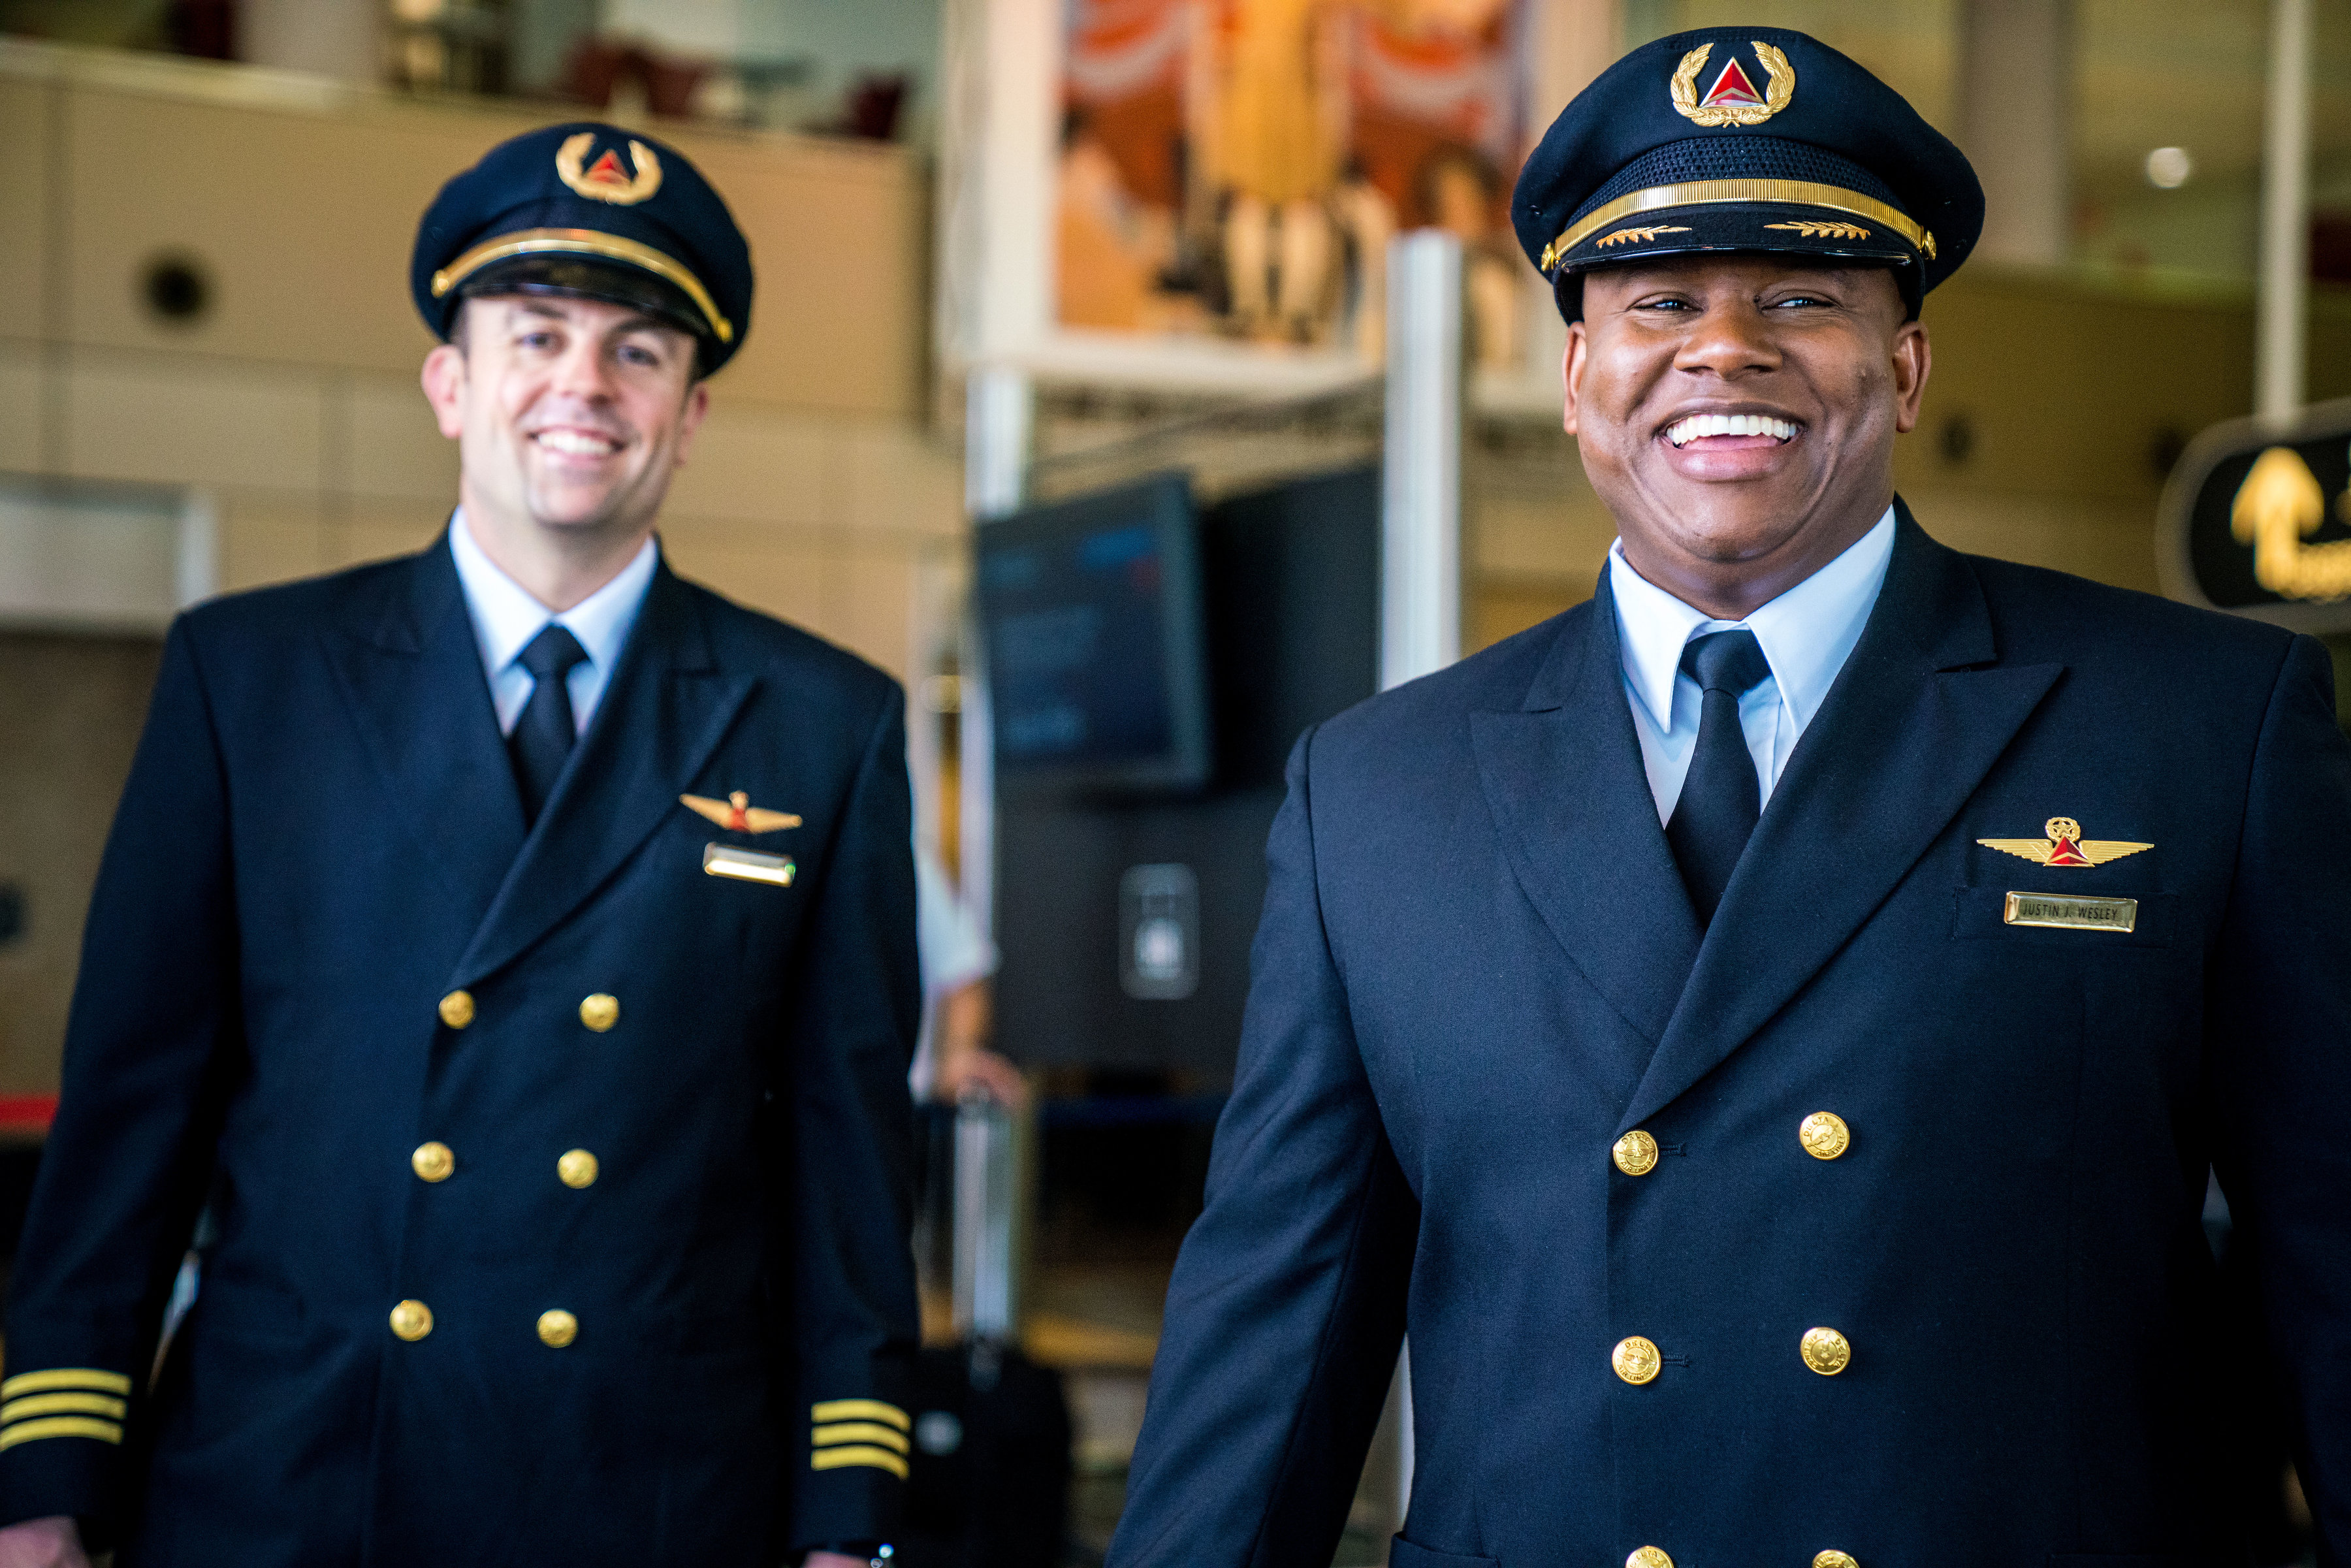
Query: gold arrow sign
x=2276, y=507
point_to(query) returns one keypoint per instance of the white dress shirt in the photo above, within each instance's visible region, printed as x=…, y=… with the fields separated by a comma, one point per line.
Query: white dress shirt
x=1807, y=633
x=506, y=617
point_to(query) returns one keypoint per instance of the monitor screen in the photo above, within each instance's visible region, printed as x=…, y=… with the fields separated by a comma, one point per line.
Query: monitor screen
x=1090, y=618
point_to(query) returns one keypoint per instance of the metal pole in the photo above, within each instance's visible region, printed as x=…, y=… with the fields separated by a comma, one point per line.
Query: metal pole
x=2016, y=92
x=999, y=406
x=1420, y=539
x=2278, y=380
x=1420, y=500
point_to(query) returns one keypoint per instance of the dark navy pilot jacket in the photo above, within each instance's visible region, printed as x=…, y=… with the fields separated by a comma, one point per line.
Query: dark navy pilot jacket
x=1476, y=969
x=321, y=838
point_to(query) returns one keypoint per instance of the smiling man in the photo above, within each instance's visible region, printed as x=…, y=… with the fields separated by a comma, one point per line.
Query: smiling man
x=1705, y=1022
x=510, y=950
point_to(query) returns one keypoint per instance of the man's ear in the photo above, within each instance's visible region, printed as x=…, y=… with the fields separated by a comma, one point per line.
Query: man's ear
x=1571, y=372
x=444, y=388
x=1913, y=362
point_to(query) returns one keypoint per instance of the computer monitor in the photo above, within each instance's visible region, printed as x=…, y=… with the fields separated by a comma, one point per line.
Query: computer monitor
x=1089, y=615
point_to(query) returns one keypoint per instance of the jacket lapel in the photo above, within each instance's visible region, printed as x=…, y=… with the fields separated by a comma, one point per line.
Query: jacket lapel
x=411, y=672
x=1917, y=716
x=668, y=705
x=1564, y=778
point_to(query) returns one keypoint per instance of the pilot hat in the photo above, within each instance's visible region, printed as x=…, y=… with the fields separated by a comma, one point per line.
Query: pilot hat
x=1744, y=138
x=596, y=213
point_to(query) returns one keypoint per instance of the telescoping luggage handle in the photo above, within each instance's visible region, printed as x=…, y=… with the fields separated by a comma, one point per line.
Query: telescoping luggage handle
x=986, y=1309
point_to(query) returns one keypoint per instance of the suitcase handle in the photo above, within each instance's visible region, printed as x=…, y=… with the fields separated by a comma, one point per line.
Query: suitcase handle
x=986, y=1309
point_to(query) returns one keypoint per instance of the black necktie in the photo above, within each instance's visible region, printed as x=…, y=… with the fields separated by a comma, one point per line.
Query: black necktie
x=542, y=737
x=1721, y=797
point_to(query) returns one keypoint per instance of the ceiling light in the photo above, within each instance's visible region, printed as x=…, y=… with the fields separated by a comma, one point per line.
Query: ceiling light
x=2167, y=168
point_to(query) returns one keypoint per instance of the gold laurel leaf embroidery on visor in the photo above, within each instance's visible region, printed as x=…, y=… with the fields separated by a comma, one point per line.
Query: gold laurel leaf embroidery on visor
x=1639, y=236
x=1823, y=229
x=1718, y=192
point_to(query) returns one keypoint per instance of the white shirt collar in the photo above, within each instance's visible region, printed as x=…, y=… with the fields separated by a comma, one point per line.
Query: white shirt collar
x=1806, y=634
x=506, y=616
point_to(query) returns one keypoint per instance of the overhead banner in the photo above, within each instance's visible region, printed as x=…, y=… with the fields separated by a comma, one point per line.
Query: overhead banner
x=2256, y=520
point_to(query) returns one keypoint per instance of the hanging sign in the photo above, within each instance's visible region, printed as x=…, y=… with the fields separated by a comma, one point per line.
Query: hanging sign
x=2256, y=520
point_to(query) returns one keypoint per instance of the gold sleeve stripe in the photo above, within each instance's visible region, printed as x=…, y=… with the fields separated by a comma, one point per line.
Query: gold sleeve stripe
x=63, y=1404
x=821, y=1459
x=861, y=1411
x=88, y=1377
x=851, y=1432
x=59, y=1427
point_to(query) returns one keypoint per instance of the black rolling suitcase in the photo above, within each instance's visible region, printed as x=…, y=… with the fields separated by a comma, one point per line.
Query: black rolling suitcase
x=990, y=1481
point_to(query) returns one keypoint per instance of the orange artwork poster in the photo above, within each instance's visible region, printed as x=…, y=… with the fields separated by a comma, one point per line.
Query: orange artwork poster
x=1237, y=167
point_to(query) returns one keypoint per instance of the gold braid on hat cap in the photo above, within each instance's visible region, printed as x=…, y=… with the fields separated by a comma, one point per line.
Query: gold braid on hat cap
x=585, y=242
x=1714, y=192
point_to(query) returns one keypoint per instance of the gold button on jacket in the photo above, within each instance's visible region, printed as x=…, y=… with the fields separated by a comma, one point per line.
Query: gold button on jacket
x=433, y=1161
x=1825, y=1134
x=577, y=1167
x=600, y=1012
x=457, y=1009
x=1635, y=1359
x=412, y=1321
x=1635, y=1153
x=558, y=1328
x=1649, y=1557
x=1825, y=1350
x=1834, y=1560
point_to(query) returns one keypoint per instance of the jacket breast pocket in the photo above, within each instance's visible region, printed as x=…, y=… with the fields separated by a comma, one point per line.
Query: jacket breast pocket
x=2081, y=919
x=1405, y=1555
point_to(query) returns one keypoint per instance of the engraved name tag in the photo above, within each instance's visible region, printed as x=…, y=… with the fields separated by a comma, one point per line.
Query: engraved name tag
x=749, y=865
x=2066, y=913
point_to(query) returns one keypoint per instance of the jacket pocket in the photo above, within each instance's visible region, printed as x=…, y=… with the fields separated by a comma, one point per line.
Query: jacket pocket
x=1403, y=1554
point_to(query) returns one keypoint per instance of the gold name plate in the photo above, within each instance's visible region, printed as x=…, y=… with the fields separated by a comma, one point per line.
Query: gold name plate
x=747, y=865
x=2064, y=913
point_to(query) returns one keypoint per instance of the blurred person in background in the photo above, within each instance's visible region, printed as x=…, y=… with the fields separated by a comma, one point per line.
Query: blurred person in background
x=1761, y=1034
x=951, y=1057
x=511, y=947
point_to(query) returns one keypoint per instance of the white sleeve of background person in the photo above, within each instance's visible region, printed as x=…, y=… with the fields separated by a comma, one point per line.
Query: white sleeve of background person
x=955, y=952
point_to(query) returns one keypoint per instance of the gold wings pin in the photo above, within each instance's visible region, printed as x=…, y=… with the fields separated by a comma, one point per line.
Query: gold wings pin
x=2065, y=846
x=737, y=813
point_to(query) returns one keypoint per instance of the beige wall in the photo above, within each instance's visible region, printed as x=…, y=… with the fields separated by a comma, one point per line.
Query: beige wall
x=816, y=494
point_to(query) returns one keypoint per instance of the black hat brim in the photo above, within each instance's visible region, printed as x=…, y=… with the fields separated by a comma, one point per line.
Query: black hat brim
x=1789, y=228
x=581, y=279
x=630, y=270
x=1831, y=236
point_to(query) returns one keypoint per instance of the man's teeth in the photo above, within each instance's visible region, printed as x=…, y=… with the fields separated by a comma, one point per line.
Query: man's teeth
x=576, y=443
x=1681, y=433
